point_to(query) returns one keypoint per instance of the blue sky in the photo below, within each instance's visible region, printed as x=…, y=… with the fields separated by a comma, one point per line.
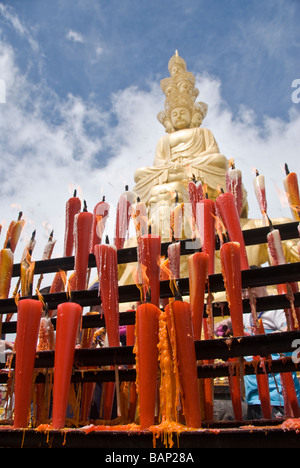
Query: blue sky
x=82, y=94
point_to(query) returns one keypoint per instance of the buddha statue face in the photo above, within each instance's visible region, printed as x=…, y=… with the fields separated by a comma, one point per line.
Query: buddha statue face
x=180, y=118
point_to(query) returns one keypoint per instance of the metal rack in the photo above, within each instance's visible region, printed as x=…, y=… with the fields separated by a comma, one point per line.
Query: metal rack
x=220, y=349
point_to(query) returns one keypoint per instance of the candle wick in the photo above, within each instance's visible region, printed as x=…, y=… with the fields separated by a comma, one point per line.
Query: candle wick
x=194, y=178
x=51, y=235
x=20, y=215
x=126, y=188
x=256, y=172
x=84, y=206
x=287, y=171
x=106, y=239
x=103, y=198
x=176, y=197
x=221, y=190
x=206, y=195
x=138, y=199
x=177, y=295
x=75, y=193
x=148, y=296
x=270, y=223
x=8, y=244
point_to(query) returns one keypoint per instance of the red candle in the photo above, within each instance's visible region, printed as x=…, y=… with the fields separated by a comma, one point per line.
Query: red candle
x=88, y=387
x=123, y=217
x=130, y=341
x=226, y=206
x=58, y=285
x=82, y=234
x=73, y=207
x=187, y=364
x=292, y=190
x=149, y=250
x=235, y=388
x=263, y=390
x=46, y=343
x=198, y=274
x=28, y=322
x=100, y=215
x=231, y=271
x=290, y=397
x=67, y=327
x=233, y=178
x=208, y=382
x=206, y=228
x=260, y=192
x=107, y=266
x=147, y=361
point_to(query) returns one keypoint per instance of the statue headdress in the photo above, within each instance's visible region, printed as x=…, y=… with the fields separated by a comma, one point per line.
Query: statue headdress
x=180, y=91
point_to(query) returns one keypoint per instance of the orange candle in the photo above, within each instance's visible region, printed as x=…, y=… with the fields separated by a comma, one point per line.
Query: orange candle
x=100, y=215
x=149, y=250
x=67, y=326
x=226, y=206
x=146, y=349
x=292, y=190
x=187, y=364
x=82, y=234
x=231, y=271
x=233, y=178
x=107, y=266
x=14, y=232
x=198, y=275
x=6, y=267
x=28, y=322
x=206, y=228
x=73, y=207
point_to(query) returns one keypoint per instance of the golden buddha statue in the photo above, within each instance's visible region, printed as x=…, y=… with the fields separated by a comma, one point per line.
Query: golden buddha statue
x=187, y=151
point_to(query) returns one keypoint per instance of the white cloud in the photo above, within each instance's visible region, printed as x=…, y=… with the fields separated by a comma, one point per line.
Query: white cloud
x=74, y=36
x=8, y=13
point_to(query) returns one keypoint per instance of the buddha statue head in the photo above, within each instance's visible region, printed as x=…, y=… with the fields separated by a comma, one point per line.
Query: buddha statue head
x=181, y=111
